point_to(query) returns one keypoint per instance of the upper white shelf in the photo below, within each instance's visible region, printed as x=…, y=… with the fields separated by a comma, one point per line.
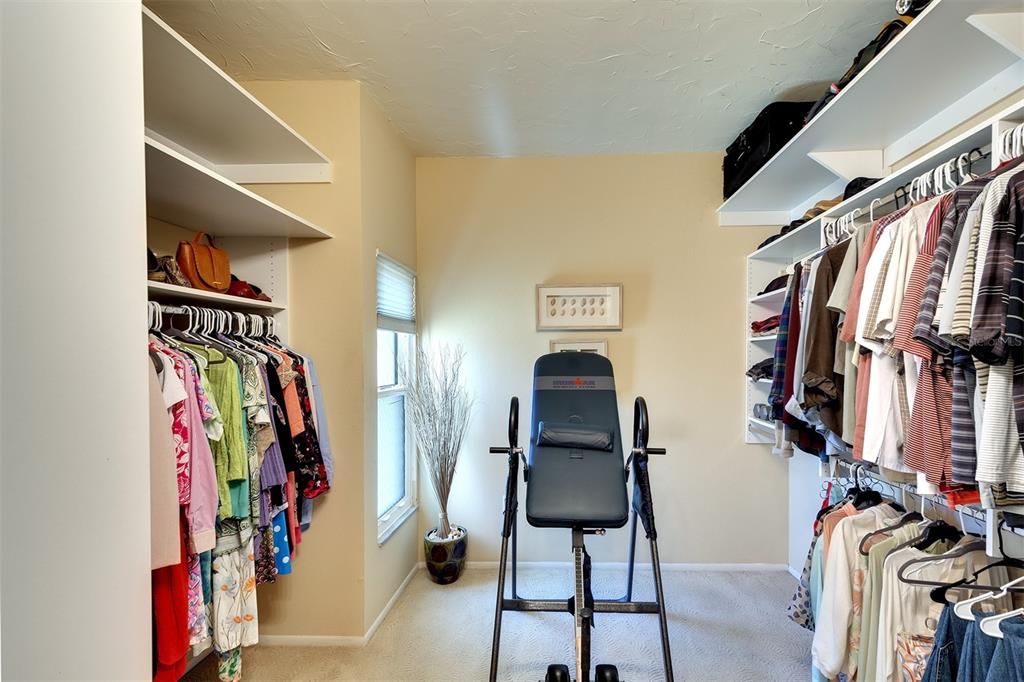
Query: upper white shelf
x=945, y=67
x=192, y=104
x=186, y=193
x=161, y=291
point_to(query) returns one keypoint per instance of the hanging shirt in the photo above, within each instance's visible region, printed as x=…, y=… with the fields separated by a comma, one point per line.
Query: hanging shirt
x=230, y=457
x=907, y=612
x=165, y=545
x=831, y=648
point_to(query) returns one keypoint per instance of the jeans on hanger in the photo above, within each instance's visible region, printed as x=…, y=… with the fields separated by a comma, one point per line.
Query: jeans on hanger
x=1008, y=660
x=948, y=649
x=977, y=655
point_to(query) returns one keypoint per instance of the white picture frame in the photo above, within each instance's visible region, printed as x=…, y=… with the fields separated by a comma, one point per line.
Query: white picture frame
x=579, y=307
x=599, y=346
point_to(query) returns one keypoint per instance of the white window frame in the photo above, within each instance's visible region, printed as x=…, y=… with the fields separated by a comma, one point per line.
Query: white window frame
x=393, y=518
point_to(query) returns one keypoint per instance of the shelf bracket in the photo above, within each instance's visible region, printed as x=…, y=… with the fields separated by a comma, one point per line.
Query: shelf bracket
x=866, y=163
x=1005, y=28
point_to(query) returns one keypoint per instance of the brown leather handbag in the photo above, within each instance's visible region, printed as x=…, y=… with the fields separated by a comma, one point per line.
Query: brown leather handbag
x=206, y=266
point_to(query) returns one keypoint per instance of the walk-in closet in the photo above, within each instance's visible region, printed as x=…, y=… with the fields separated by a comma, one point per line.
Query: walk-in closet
x=406, y=340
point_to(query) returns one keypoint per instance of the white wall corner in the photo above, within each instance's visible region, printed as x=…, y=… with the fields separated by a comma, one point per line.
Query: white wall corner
x=869, y=163
x=1005, y=28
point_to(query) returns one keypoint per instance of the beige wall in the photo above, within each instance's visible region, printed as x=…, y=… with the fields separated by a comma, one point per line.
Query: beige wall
x=342, y=579
x=389, y=224
x=491, y=229
x=324, y=594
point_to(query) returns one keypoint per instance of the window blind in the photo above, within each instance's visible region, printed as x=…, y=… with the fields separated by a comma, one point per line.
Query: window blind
x=396, y=296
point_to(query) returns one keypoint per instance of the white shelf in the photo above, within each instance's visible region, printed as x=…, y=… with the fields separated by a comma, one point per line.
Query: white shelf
x=761, y=423
x=772, y=298
x=186, y=193
x=807, y=238
x=763, y=339
x=193, y=103
x=939, y=70
x=791, y=247
x=160, y=291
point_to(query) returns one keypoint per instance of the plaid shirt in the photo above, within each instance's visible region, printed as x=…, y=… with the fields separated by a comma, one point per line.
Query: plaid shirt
x=775, y=396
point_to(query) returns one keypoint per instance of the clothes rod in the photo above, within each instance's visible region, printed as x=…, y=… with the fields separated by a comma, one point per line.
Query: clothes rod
x=866, y=469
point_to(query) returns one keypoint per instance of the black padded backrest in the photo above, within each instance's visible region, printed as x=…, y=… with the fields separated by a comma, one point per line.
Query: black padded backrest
x=577, y=476
x=575, y=388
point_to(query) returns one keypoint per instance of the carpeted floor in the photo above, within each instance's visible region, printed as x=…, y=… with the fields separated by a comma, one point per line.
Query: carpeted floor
x=724, y=627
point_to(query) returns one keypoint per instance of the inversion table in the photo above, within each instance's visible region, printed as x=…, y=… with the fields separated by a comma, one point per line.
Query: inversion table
x=576, y=479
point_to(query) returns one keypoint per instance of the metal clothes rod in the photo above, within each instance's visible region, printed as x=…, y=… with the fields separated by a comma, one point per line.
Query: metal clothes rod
x=976, y=513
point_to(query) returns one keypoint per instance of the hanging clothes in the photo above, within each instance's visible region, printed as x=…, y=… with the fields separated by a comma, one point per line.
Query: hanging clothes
x=234, y=428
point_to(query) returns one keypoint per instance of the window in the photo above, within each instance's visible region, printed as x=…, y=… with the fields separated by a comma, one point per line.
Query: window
x=396, y=341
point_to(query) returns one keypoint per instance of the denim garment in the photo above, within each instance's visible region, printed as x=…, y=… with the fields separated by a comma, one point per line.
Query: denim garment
x=1008, y=662
x=977, y=655
x=948, y=648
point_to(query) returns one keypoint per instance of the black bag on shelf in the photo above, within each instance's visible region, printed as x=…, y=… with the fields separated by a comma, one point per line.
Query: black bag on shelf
x=885, y=36
x=771, y=130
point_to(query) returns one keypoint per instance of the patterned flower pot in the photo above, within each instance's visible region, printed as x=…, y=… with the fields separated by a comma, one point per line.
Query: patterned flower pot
x=445, y=558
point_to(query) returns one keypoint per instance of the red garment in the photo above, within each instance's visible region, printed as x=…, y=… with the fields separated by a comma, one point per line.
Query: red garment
x=292, y=514
x=170, y=620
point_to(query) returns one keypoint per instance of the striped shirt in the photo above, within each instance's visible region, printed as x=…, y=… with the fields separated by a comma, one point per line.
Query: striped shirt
x=961, y=200
x=904, y=339
x=988, y=333
x=960, y=333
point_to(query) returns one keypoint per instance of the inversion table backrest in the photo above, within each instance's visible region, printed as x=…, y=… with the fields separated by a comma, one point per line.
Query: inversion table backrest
x=576, y=469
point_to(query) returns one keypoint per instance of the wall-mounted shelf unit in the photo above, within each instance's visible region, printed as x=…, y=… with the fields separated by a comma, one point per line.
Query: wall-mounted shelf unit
x=186, y=193
x=953, y=61
x=196, y=108
x=170, y=293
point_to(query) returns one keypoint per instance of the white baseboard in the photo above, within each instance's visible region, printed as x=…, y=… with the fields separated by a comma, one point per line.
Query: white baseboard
x=342, y=640
x=793, y=572
x=313, y=640
x=666, y=567
x=391, y=603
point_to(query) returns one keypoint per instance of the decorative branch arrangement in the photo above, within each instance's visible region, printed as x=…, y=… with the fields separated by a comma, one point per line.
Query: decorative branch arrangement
x=440, y=407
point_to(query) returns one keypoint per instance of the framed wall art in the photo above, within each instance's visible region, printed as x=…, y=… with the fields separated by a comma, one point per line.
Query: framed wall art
x=579, y=307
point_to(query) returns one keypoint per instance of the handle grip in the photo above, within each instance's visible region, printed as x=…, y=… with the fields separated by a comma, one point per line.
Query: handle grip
x=499, y=451
x=656, y=451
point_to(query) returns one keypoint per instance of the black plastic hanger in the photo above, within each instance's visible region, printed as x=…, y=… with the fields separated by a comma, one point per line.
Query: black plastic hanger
x=910, y=517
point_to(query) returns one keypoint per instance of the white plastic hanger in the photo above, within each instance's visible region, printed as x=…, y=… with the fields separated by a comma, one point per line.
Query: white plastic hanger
x=962, y=609
x=990, y=625
x=871, y=209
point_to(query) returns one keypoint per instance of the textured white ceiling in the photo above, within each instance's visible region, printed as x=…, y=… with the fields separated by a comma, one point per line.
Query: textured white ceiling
x=511, y=78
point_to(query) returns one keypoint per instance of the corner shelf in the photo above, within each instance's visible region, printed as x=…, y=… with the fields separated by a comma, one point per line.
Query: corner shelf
x=171, y=293
x=877, y=119
x=186, y=193
x=761, y=339
x=192, y=105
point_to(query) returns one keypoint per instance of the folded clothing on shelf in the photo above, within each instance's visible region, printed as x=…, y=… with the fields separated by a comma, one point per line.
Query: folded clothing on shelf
x=766, y=325
x=779, y=282
x=762, y=370
x=812, y=212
